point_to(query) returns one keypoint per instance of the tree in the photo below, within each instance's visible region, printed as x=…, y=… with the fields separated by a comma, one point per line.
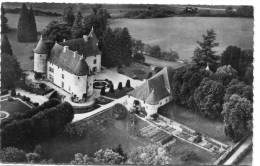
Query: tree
x=204, y=53
x=26, y=29
x=6, y=46
x=184, y=82
x=33, y=27
x=225, y=74
x=155, y=51
x=237, y=113
x=208, y=98
x=240, y=88
x=56, y=31
x=4, y=20
x=137, y=46
x=33, y=157
x=151, y=154
x=108, y=156
x=245, y=11
x=11, y=154
x=68, y=16
x=76, y=30
x=119, y=112
x=249, y=75
x=109, y=56
x=128, y=85
x=11, y=71
x=237, y=58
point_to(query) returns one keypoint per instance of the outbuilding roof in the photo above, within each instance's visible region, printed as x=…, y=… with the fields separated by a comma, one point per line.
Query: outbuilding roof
x=152, y=91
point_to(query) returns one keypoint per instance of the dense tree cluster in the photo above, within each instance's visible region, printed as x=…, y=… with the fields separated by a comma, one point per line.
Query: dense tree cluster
x=41, y=126
x=237, y=113
x=26, y=30
x=12, y=154
x=116, y=47
x=210, y=91
x=240, y=60
x=151, y=154
x=102, y=156
x=156, y=52
x=208, y=98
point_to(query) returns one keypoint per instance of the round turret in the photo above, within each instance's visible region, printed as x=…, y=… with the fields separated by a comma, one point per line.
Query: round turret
x=40, y=57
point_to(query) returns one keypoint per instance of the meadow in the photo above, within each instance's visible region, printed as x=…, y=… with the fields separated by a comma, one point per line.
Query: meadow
x=177, y=33
x=181, y=33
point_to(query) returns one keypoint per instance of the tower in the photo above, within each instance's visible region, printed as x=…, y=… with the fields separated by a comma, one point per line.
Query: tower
x=40, y=57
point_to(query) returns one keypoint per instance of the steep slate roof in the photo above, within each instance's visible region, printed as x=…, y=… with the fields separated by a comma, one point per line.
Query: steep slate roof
x=152, y=91
x=86, y=48
x=68, y=61
x=41, y=47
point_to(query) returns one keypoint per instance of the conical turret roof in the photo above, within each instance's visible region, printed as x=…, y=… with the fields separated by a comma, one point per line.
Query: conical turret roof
x=41, y=47
x=151, y=99
x=81, y=68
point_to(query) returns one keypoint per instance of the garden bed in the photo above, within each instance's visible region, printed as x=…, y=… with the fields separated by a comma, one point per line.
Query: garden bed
x=13, y=106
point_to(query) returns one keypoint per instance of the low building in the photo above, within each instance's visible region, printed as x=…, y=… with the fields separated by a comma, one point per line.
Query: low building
x=70, y=65
x=154, y=93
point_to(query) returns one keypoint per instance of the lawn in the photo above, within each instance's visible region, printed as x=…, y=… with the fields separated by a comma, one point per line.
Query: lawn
x=136, y=71
x=214, y=129
x=13, y=106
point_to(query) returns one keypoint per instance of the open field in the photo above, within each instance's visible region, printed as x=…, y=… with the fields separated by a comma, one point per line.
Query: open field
x=177, y=33
x=214, y=129
x=13, y=106
x=181, y=33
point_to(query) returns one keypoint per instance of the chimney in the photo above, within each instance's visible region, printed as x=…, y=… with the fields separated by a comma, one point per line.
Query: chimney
x=85, y=37
x=65, y=48
x=75, y=53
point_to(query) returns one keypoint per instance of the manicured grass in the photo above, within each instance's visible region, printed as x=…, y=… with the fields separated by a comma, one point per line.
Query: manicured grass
x=214, y=129
x=13, y=106
x=136, y=71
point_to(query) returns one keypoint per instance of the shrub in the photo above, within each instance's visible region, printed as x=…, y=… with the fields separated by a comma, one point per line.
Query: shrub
x=198, y=138
x=36, y=104
x=120, y=86
x=119, y=112
x=12, y=154
x=111, y=89
x=155, y=116
x=42, y=86
x=128, y=85
x=13, y=92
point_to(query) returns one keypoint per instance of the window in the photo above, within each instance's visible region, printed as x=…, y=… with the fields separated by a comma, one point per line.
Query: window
x=62, y=76
x=51, y=69
x=94, y=69
x=50, y=77
x=94, y=61
x=62, y=84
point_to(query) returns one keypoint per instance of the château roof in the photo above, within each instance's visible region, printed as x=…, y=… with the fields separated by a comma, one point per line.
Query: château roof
x=41, y=47
x=68, y=60
x=86, y=46
x=152, y=91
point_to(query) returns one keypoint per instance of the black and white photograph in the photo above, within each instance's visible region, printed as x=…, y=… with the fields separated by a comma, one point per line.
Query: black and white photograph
x=87, y=83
